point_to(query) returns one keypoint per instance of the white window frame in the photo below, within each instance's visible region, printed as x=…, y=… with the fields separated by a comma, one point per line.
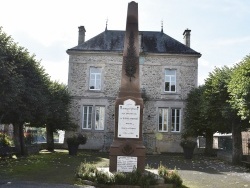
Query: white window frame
x=163, y=114
x=94, y=81
x=174, y=120
x=171, y=79
x=99, y=121
x=88, y=117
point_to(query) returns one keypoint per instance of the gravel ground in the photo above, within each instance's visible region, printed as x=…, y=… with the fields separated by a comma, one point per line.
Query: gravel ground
x=203, y=171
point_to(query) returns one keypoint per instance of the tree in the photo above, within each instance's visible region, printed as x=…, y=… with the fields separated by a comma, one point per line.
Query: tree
x=195, y=125
x=29, y=92
x=239, y=89
x=11, y=82
x=208, y=110
x=58, y=115
x=215, y=103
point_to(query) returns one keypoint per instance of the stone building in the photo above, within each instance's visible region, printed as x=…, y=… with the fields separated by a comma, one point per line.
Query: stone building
x=168, y=71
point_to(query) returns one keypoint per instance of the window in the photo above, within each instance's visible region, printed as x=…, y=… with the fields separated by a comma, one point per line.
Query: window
x=93, y=114
x=163, y=120
x=87, y=117
x=95, y=78
x=99, y=117
x=170, y=80
x=176, y=120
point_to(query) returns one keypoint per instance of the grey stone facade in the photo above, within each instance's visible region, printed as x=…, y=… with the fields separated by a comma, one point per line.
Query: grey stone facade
x=152, y=81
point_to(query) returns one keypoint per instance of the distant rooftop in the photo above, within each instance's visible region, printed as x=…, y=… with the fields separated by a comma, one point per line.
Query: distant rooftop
x=151, y=42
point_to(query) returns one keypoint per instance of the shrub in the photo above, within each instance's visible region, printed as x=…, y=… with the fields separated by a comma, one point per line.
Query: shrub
x=104, y=178
x=188, y=143
x=5, y=140
x=170, y=176
x=77, y=139
x=89, y=172
x=86, y=171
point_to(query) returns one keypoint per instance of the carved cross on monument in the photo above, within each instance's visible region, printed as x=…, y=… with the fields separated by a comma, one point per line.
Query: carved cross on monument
x=127, y=151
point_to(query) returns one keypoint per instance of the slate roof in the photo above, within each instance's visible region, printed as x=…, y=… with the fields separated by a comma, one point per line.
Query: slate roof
x=152, y=42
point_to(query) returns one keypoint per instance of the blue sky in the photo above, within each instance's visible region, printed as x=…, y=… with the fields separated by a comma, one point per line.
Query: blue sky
x=220, y=29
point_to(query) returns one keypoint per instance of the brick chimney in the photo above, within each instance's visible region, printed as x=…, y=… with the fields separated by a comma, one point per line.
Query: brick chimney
x=186, y=37
x=81, y=36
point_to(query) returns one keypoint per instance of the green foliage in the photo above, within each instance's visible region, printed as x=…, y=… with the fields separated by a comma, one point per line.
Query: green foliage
x=207, y=108
x=86, y=171
x=58, y=117
x=5, y=140
x=194, y=119
x=77, y=139
x=26, y=92
x=120, y=178
x=89, y=172
x=218, y=111
x=104, y=178
x=23, y=84
x=239, y=88
x=186, y=143
x=170, y=176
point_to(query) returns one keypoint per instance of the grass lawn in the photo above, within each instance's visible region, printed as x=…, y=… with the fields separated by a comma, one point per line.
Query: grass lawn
x=59, y=166
x=47, y=167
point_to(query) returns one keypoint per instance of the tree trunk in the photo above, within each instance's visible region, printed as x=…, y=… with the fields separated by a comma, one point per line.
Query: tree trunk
x=209, y=143
x=237, y=144
x=50, y=139
x=19, y=138
x=16, y=138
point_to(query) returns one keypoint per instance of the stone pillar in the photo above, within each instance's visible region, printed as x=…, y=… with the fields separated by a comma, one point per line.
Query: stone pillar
x=127, y=150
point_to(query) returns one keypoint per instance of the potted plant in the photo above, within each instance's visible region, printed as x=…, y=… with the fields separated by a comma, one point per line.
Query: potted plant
x=74, y=142
x=188, y=146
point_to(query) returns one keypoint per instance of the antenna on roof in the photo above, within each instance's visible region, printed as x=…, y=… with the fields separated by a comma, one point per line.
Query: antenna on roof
x=106, y=24
x=162, y=26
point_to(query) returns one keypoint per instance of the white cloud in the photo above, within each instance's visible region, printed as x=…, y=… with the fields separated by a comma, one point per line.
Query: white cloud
x=48, y=28
x=233, y=41
x=58, y=71
x=203, y=63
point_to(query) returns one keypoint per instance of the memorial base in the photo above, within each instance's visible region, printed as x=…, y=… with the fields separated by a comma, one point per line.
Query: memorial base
x=134, y=150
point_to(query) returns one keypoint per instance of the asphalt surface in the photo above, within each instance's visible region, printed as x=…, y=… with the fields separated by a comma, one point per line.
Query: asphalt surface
x=29, y=184
x=198, y=172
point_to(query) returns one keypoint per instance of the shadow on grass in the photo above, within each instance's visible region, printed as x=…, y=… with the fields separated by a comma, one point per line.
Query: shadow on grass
x=59, y=167
x=47, y=167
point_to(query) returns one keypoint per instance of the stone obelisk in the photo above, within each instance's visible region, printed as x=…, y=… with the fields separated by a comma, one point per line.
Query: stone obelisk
x=127, y=151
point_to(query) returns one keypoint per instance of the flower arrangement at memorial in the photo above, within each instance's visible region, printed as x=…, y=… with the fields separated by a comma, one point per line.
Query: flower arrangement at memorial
x=170, y=176
x=89, y=174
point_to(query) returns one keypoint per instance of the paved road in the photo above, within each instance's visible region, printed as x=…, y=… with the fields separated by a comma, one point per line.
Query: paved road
x=207, y=172
x=29, y=184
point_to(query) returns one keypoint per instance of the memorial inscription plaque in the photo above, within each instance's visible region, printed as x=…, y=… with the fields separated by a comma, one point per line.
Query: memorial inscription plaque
x=129, y=120
x=126, y=163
